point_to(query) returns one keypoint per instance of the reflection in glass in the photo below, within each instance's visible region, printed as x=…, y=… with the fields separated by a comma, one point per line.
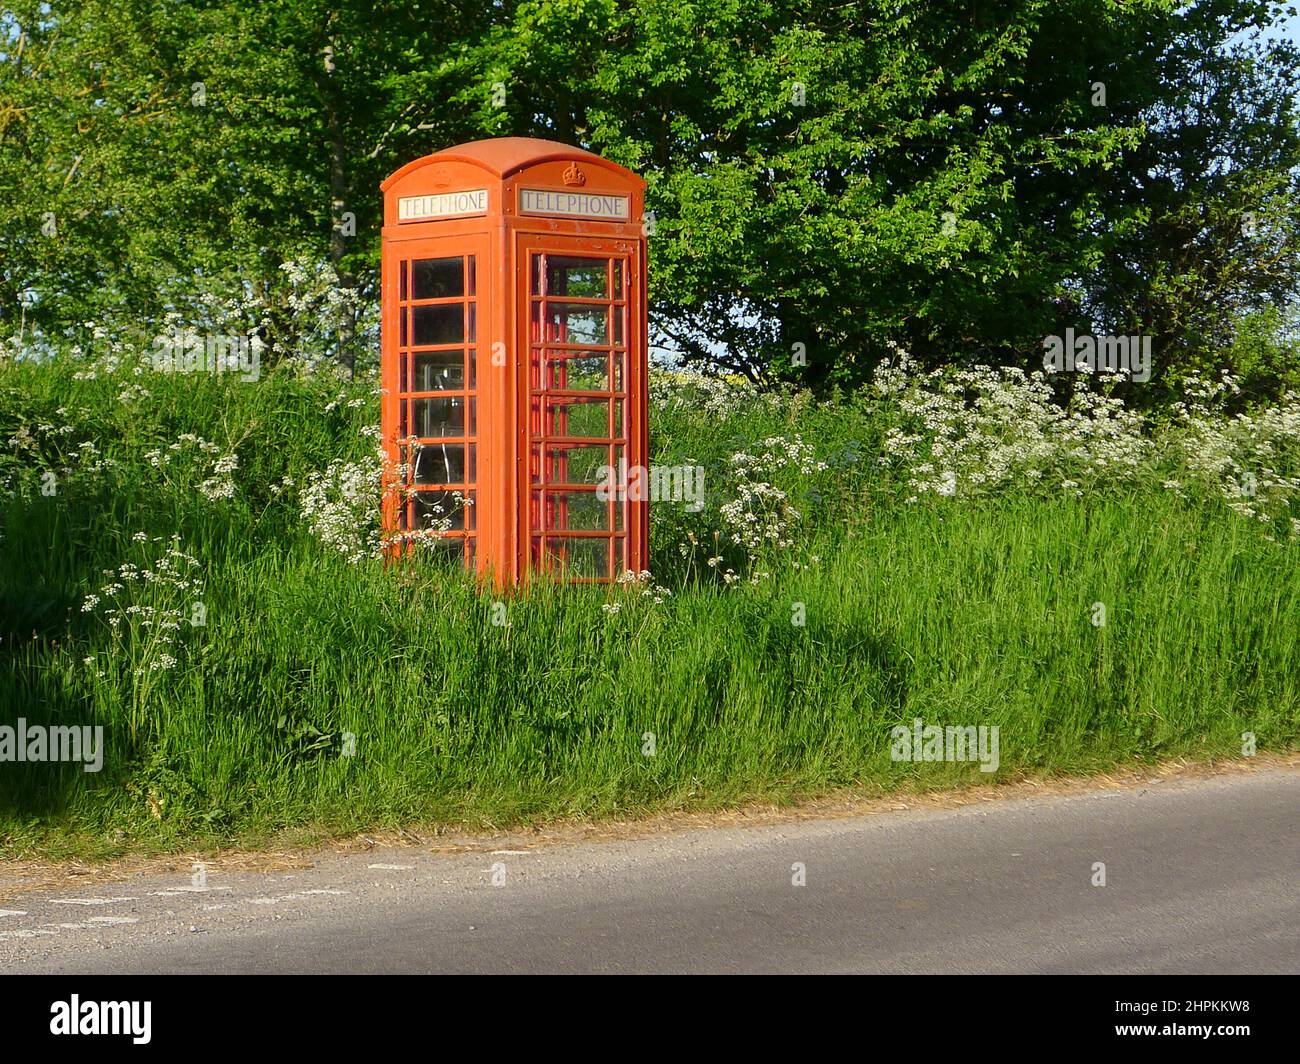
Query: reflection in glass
x=438, y=278
x=576, y=464
x=578, y=511
x=580, y=557
x=441, y=463
x=440, y=417
x=440, y=371
x=580, y=372
x=576, y=323
x=572, y=417
x=571, y=276
x=433, y=508
x=442, y=324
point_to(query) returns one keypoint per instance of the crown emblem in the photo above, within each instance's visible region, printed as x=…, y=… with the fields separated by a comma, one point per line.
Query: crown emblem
x=439, y=177
x=573, y=176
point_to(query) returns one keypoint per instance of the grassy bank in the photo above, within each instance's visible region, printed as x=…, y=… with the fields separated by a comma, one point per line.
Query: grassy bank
x=310, y=689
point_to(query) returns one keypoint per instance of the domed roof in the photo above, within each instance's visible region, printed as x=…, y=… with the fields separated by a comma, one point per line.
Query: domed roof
x=503, y=156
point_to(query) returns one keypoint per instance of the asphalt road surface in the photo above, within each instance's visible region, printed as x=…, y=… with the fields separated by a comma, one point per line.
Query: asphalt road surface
x=1200, y=876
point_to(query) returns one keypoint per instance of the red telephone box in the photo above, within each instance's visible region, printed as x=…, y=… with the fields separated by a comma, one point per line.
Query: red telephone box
x=514, y=357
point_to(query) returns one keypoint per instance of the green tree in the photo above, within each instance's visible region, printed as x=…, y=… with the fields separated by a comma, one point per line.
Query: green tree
x=1199, y=238
x=187, y=150
x=960, y=179
x=829, y=179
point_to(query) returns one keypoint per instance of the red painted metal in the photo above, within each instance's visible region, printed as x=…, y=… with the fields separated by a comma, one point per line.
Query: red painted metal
x=514, y=350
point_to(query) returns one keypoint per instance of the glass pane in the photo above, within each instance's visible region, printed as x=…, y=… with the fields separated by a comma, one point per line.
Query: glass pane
x=616, y=363
x=576, y=323
x=449, y=552
x=617, y=314
x=585, y=278
x=577, y=464
x=473, y=322
x=580, y=557
x=443, y=510
x=440, y=371
x=443, y=324
x=535, y=324
x=402, y=271
x=402, y=312
x=442, y=463
x=438, y=278
x=618, y=278
x=577, y=371
x=579, y=511
x=404, y=360
x=440, y=417
x=473, y=279
x=575, y=417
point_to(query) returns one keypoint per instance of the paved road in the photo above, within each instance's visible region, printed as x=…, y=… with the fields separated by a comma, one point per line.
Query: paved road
x=1201, y=876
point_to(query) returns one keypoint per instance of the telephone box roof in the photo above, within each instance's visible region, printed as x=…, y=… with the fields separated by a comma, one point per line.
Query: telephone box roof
x=503, y=156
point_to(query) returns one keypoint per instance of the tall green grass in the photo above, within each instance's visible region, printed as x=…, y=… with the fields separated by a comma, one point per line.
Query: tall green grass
x=954, y=612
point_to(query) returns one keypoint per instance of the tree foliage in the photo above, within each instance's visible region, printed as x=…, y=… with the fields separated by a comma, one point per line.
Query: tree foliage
x=958, y=178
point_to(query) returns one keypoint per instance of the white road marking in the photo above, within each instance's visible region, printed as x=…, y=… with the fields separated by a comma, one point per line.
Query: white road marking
x=295, y=894
x=13, y=912
x=93, y=923
x=87, y=901
x=393, y=867
x=510, y=853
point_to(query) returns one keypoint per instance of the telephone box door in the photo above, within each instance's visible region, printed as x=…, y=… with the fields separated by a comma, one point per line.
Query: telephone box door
x=581, y=438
